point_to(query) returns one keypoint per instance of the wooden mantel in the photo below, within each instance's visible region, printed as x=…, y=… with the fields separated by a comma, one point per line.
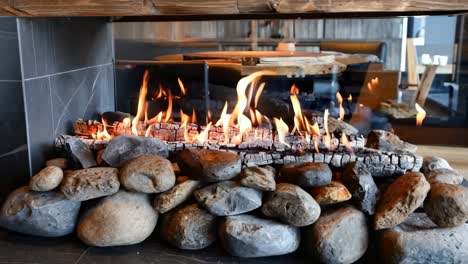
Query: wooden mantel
x=51, y=8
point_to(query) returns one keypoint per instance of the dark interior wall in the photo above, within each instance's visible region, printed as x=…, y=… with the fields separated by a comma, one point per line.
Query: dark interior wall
x=13, y=147
x=67, y=73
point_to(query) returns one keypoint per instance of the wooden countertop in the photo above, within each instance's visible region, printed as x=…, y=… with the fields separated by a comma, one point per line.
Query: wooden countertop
x=456, y=156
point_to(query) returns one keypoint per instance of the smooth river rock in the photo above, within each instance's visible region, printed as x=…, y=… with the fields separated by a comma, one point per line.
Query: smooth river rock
x=47, y=214
x=292, y=205
x=332, y=193
x=147, y=174
x=387, y=141
x=189, y=227
x=418, y=240
x=360, y=183
x=47, y=179
x=449, y=176
x=86, y=184
x=248, y=236
x=431, y=163
x=401, y=198
x=174, y=197
x=260, y=178
x=306, y=174
x=124, y=148
x=340, y=235
x=80, y=153
x=209, y=165
x=447, y=204
x=124, y=218
x=228, y=198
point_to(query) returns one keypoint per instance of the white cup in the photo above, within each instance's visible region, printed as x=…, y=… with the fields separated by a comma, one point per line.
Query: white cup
x=443, y=60
x=426, y=59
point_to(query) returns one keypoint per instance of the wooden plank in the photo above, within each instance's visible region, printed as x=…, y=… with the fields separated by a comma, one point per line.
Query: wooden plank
x=412, y=61
x=426, y=83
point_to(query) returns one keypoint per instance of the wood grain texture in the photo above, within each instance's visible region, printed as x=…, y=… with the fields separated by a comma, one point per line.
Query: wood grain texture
x=31, y=8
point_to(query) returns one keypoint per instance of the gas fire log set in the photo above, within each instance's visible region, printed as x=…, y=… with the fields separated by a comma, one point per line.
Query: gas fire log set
x=259, y=188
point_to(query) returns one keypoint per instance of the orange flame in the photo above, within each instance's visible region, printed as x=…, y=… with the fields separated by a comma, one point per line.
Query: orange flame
x=299, y=123
x=194, y=116
x=316, y=145
x=127, y=122
x=345, y=142
x=259, y=92
x=161, y=92
x=102, y=135
x=282, y=129
x=184, y=119
x=421, y=115
x=223, y=114
x=339, y=98
x=259, y=118
x=182, y=87
x=148, y=131
x=244, y=127
x=315, y=129
x=169, y=107
x=350, y=98
x=294, y=90
x=141, y=102
x=203, y=136
x=327, y=142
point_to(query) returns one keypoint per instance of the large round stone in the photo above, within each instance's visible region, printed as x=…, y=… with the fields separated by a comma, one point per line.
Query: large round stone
x=447, y=204
x=47, y=179
x=124, y=148
x=248, y=236
x=148, y=174
x=86, y=184
x=260, y=178
x=306, y=174
x=210, y=165
x=400, y=199
x=418, y=240
x=124, y=218
x=189, y=227
x=432, y=163
x=444, y=176
x=47, y=214
x=332, y=193
x=180, y=193
x=340, y=235
x=228, y=198
x=292, y=205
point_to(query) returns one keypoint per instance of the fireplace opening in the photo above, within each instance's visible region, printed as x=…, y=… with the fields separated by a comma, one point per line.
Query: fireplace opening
x=342, y=140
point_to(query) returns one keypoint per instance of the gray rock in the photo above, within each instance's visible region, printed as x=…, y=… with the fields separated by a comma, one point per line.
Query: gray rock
x=336, y=125
x=124, y=218
x=306, y=174
x=248, y=236
x=80, y=153
x=360, y=183
x=418, y=240
x=58, y=162
x=292, y=205
x=209, y=165
x=444, y=176
x=189, y=227
x=401, y=198
x=125, y=148
x=86, y=184
x=432, y=163
x=340, y=235
x=387, y=141
x=47, y=214
x=47, y=179
x=148, y=174
x=260, y=178
x=180, y=193
x=228, y=198
x=447, y=204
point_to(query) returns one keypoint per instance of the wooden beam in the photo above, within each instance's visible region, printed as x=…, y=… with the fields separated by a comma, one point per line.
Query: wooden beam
x=51, y=8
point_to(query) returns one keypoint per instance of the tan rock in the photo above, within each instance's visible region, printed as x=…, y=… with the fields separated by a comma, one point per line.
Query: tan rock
x=444, y=175
x=58, y=162
x=47, y=179
x=332, y=193
x=260, y=178
x=180, y=193
x=124, y=218
x=401, y=198
x=82, y=185
x=148, y=174
x=447, y=204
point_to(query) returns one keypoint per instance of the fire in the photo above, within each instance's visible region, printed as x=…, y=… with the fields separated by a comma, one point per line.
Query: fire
x=350, y=98
x=148, y=131
x=328, y=142
x=184, y=119
x=345, y=142
x=316, y=145
x=282, y=129
x=315, y=129
x=244, y=127
x=372, y=84
x=102, y=135
x=141, y=103
x=194, y=116
x=294, y=90
x=182, y=87
x=169, y=107
x=259, y=92
x=339, y=98
x=203, y=136
x=421, y=115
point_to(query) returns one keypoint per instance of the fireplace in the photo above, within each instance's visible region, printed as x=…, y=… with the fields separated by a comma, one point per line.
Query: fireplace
x=285, y=136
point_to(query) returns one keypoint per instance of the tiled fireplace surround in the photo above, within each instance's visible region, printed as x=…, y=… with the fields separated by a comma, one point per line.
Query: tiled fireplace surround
x=52, y=72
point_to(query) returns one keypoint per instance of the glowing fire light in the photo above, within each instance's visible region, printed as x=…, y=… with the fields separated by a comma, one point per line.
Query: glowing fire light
x=148, y=131
x=339, y=98
x=102, y=135
x=182, y=87
x=373, y=84
x=316, y=145
x=141, y=103
x=350, y=98
x=203, y=136
x=184, y=119
x=127, y=122
x=282, y=129
x=294, y=90
x=169, y=107
x=194, y=116
x=244, y=127
x=328, y=142
x=421, y=115
x=259, y=92
x=345, y=142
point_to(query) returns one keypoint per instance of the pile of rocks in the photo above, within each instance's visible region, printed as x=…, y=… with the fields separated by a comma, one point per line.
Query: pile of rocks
x=205, y=195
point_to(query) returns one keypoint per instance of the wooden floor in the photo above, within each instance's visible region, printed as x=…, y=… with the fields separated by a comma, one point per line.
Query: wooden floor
x=456, y=156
